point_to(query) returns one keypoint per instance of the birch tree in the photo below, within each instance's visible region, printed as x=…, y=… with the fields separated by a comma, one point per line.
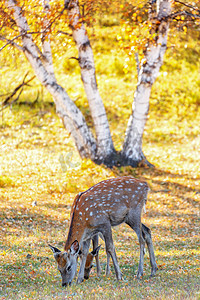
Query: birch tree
x=148, y=72
x=18, y=30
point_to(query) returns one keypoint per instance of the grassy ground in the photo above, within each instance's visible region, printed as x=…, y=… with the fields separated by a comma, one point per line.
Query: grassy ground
x=38, y=162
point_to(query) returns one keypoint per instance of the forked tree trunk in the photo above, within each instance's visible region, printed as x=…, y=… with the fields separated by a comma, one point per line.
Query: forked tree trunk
x=132, y=153
x=105, y=148
x=101, y=149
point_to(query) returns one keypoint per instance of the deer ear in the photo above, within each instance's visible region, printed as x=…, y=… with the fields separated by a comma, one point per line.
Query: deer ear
x=96, y=251
x=74, y=249
x=55, y=250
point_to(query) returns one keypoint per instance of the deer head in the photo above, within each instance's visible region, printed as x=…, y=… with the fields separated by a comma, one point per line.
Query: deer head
x=67, y=262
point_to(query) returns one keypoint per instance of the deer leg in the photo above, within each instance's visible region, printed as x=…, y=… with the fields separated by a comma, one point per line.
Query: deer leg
x=95, y=242
x=146, y=232
x=83, y=257
x=110, y=250
x=108, y=265
x=142, y=247
x=135, y=223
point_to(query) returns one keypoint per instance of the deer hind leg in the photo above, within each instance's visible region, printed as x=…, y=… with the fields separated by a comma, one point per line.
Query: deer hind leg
x=83, y=257
x=95, y=242
x=110, y=251
x=142, y=250
x=146, y=232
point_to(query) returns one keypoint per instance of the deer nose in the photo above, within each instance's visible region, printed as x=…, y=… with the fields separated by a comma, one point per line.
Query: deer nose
x=64, y=284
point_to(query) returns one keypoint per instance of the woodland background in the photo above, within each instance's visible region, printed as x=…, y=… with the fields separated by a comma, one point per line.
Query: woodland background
x=41, y=172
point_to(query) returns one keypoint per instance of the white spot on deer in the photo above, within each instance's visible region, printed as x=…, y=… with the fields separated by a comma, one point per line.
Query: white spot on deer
x=139, y=188
x=86, y=209
x=91, y=213
x=80, y=213
x=86, y=219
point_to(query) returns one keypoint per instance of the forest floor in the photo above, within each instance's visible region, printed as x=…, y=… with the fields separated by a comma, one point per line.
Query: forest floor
x=41, y=172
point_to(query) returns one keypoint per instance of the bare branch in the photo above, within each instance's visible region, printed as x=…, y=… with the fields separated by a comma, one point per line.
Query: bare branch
x=19, y=88
x=184, y=13
x=66, y=33
x=11, y=42
x=188, y=5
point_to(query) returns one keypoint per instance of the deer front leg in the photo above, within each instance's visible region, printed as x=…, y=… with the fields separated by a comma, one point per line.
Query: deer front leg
x=110, y=250
x=108, y=265
x=95, y=242
x=83, y=257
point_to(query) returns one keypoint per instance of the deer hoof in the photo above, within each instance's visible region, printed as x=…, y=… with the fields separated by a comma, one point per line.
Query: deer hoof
x=79, y=280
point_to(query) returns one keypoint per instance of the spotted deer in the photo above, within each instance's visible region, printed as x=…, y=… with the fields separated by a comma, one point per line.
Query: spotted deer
x=108, y=203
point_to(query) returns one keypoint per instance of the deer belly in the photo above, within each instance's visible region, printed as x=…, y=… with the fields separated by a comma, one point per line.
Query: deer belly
x=118, y=215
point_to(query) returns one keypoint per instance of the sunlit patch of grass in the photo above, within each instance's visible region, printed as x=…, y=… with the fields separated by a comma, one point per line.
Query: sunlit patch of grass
x=5, y=181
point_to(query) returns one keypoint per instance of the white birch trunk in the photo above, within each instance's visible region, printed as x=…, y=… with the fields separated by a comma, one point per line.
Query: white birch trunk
x=132, y=148
x=105, y=146
x=72, y=117
x=46, y=45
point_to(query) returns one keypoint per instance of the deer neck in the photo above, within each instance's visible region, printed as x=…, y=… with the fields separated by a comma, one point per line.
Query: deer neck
x=76, y=230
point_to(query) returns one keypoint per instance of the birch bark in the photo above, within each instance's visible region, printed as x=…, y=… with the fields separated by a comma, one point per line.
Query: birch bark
x=46, y=44
x=105, y=150
x=132, y=153
x=71, y=116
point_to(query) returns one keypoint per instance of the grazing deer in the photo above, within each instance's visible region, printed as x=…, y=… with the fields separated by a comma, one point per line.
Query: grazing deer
x=106, y=204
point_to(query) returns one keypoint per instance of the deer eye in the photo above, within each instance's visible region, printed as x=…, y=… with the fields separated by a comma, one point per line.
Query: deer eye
x=69, y=268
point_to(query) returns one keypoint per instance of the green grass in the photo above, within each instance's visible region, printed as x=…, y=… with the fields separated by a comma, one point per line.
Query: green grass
x=33, y=144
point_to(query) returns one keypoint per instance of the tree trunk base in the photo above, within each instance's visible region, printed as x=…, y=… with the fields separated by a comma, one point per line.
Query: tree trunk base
x=117, y=159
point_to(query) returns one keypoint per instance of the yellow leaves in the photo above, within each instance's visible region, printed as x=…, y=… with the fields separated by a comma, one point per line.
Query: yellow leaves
x=185, y=29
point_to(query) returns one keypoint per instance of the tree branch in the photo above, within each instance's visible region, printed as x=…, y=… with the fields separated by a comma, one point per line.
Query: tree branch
x=6, y=102
x=11, y=42
x=185, y=13
x=187, y=5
